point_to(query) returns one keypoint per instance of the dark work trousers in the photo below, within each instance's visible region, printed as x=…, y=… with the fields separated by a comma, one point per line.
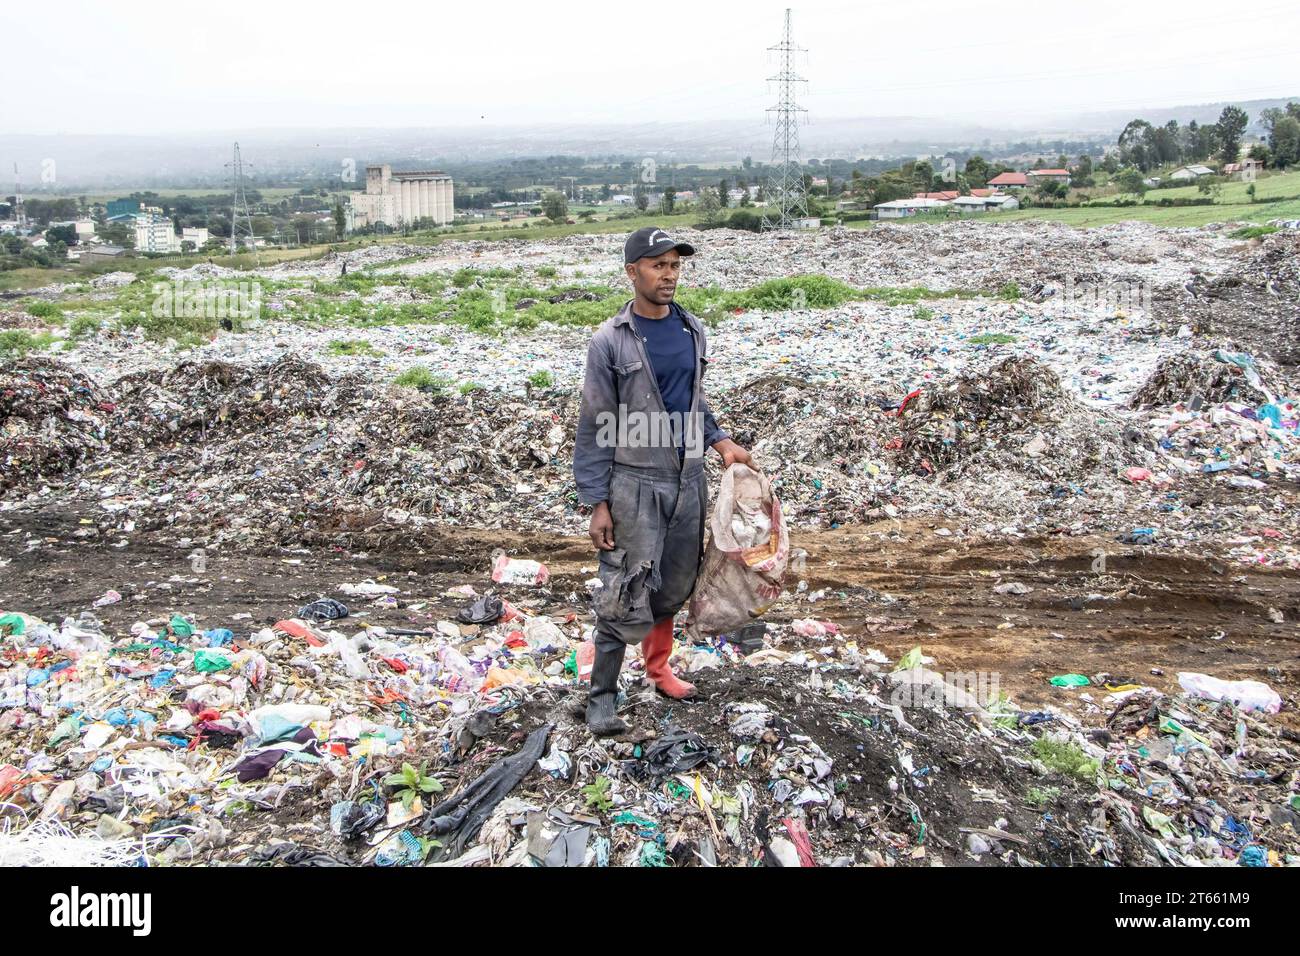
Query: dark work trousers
x=658, y=542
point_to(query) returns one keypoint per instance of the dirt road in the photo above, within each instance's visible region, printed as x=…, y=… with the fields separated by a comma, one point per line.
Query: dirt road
x=890, y=586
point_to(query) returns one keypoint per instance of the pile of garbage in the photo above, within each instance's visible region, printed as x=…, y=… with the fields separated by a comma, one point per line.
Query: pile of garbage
x=1248, y=302
x=319, y=741
x=1010, y=414
x=113, y=280
x=1196, y=379
x=199, y=402
x=1035, y=255
x=52, y=419
x=1221, y=416
x=282, y=453
x=199, y=271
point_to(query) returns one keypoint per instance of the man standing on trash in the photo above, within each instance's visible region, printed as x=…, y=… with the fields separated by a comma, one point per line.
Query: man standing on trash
x=638, y=460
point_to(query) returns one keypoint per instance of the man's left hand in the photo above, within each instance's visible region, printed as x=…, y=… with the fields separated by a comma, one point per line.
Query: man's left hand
x=732, y=453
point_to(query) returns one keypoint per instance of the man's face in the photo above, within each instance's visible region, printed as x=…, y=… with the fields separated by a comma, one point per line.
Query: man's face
x=656, y=279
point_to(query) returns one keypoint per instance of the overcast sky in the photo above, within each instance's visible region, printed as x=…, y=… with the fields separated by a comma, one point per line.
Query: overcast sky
x=146, y=66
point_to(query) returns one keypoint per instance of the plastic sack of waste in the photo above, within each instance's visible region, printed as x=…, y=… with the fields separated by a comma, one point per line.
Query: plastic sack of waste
x=1246, y=694
x=508, y=570
x=738, y=583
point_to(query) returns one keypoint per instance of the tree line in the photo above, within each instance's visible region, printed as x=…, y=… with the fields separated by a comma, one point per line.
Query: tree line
x=1145, y=147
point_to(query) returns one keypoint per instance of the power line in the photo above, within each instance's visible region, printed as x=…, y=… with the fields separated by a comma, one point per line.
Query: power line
x=240, y=204
x=785, y=181
x=20, y=215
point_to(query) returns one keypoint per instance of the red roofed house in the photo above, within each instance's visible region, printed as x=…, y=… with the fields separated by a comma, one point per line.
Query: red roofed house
x=948, y=195
x=1009, y=181
x=1040, y=176
x=982, y=193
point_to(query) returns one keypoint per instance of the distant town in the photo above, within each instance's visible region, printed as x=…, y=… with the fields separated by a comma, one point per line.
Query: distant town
x=41, y=231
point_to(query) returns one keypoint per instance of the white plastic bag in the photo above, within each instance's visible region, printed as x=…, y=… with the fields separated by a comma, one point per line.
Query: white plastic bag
x=353, y=663
x=1246, y=694
x=738, y=583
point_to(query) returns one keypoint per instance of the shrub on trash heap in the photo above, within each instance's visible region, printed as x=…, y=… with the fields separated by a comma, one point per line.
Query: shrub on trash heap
x=43, y=310
x=992, y=338
x=1253, y=232
x=410, y=783
x=774, y=295
x=421, y=378
x=1041, y=796
x=1065, y=758
x=353, y=347
x=596, y=795
x=541, y=379
x=83, y=327
x=17, y=342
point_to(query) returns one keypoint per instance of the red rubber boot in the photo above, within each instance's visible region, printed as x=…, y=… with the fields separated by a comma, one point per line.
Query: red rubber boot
x=655, y=649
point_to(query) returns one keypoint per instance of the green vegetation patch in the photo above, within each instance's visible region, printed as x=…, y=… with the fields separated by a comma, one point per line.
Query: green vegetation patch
x=1065, y=758
x=353, y=347
x=15, y=343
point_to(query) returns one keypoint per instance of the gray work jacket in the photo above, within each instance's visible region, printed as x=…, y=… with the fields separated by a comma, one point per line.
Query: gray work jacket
x=619, y=380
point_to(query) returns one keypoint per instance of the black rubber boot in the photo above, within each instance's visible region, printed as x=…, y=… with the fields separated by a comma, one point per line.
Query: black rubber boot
x=603, y=695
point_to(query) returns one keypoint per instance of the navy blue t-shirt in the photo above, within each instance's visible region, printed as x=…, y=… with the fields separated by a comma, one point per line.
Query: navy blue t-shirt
x=671, y=348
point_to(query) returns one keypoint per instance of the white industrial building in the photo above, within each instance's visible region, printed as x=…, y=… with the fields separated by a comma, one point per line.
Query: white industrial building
x=154, y=232
x=195, y=234
x=401, y=198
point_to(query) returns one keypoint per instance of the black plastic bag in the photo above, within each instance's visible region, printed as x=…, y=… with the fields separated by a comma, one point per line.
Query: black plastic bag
x=486, y=609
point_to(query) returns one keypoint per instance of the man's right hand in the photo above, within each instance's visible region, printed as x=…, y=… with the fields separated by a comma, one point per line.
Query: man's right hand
x=601, y=529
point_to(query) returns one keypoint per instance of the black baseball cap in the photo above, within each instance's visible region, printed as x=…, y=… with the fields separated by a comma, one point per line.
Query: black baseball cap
x=652, y=241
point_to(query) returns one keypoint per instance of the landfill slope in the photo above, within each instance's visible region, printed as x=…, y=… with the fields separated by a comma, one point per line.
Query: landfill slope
x=247, y=613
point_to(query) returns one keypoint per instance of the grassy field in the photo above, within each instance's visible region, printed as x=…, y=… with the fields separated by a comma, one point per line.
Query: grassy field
x=1266, y=187
x=1259, y=212
x=1234, y=205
